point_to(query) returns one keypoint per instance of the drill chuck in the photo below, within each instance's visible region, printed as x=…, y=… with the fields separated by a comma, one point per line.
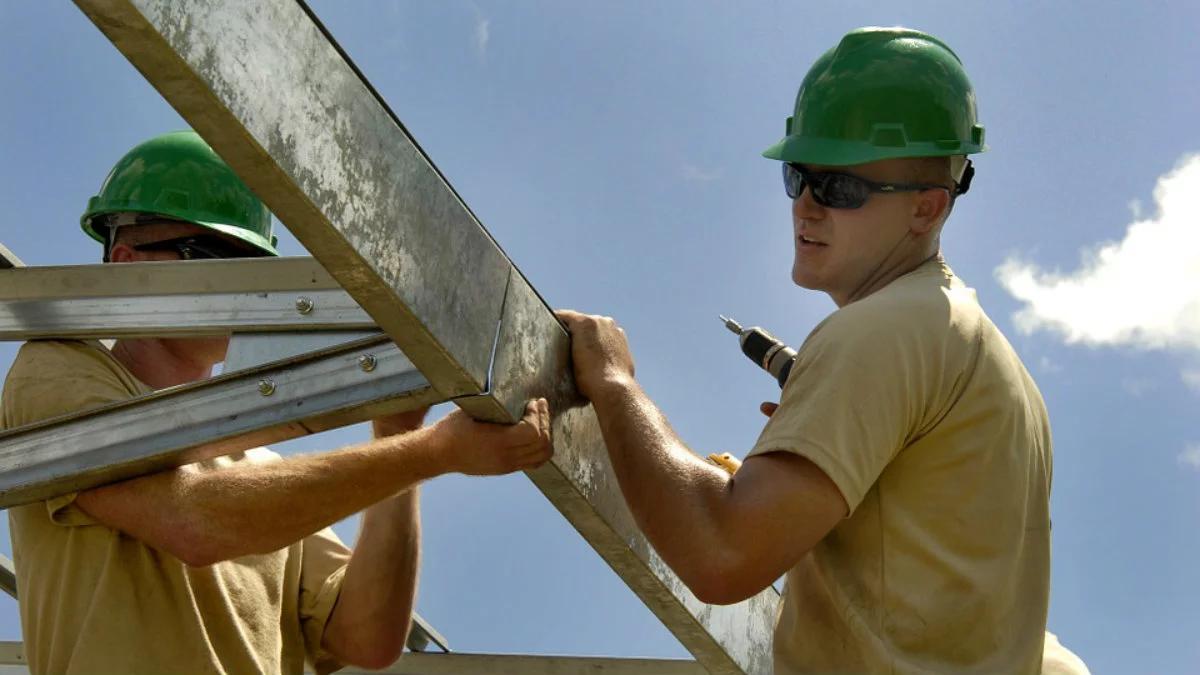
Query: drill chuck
x=766, y=350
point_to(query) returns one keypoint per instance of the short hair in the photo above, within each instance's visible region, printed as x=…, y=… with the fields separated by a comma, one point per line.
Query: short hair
x=934, y=171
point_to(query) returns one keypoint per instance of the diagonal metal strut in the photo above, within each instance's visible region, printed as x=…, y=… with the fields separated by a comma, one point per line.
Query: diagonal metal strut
x=332, y=161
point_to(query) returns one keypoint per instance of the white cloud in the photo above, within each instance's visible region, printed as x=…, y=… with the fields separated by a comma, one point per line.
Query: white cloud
x=1142, y=291
x=696, y=174
x=1191, y=456
x=483, y=33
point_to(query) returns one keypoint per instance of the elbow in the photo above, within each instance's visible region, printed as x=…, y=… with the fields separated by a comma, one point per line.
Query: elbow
x=720, y=591
x=196, y=547
x=726, y=581
x=195, y=553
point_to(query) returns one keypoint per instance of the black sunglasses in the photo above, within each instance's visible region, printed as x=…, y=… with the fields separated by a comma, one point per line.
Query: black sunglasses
x=203, y=247
x=841, y=190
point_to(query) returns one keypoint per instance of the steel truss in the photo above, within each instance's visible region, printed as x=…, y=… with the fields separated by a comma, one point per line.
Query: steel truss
x=398, y=250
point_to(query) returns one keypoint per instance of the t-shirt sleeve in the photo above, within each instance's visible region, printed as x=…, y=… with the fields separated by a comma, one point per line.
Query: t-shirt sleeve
x=53, y=378
x=322, y=568
x=849, y=403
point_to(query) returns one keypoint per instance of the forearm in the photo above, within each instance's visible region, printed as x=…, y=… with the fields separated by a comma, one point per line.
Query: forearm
x=371, y=620
x=677, y=499
x=207, y=516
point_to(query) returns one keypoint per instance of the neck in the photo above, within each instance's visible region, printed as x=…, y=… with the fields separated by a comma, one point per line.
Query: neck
x=898, y=263
x=153, y=361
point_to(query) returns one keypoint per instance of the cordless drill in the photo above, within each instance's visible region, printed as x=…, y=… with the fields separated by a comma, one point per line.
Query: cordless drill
x=771, y=355
x=765, y=349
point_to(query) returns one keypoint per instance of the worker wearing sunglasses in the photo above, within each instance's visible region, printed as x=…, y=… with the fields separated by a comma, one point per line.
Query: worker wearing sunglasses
x=902, y=482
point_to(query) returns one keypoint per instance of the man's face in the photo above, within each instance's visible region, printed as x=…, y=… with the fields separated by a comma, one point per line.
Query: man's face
x=209, y=350
x=838, y=250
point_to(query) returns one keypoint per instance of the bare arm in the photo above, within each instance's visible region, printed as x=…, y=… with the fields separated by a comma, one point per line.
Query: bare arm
x=203, y=517
x=373, y=613
x=726, y=537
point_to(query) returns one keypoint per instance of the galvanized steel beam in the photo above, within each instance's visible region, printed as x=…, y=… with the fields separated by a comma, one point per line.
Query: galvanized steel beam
x=223, y=415
x=201, y=297
x=8, y=576
x=241, y=275
x=272, y=94
x=181, y=315
x=268, y=89
x=8, y=260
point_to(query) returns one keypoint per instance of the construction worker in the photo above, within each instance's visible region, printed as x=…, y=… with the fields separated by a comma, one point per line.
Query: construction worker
x=902, y=483
x=226, y=565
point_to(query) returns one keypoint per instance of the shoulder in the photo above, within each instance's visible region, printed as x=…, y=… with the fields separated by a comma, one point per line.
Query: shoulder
x=47, y=359
x=928, y=308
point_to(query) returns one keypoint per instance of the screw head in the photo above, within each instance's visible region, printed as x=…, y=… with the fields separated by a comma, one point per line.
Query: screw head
x=367, y=362
x=266, y=387
x=304, y=305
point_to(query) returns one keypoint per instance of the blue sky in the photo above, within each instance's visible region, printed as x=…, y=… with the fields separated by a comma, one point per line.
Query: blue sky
x=614, y=153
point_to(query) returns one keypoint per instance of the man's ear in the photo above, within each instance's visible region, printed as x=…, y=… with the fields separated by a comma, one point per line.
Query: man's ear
x=928, y=210
x=122, y=252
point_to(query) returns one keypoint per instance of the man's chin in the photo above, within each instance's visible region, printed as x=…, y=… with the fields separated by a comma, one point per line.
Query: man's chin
x=804, y=280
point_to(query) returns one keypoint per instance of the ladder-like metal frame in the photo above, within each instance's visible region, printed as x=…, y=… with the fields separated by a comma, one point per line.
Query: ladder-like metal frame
x=270, y=91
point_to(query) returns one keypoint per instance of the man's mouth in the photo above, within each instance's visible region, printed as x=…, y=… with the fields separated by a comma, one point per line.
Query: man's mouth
x=810, y=242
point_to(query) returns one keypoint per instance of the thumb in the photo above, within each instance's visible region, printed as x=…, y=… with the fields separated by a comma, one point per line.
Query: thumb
x=768, y=408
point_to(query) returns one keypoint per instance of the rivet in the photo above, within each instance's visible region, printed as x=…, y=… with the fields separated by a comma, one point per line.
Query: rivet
x=266, y=387
x=304, y=305
x=367, y=362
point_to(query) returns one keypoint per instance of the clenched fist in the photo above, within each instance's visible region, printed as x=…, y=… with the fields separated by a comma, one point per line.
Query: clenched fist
x=485, y=449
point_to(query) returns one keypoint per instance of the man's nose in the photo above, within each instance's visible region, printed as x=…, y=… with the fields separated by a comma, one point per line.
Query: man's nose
x=805, y=207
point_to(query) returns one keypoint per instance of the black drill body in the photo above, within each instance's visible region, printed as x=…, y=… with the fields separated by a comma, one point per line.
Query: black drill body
x=768, y=351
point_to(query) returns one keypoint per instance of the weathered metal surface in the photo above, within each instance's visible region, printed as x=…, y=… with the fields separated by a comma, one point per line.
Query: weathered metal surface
x=270, y=92
x=179, y=315
x=247, y=350
x=8, y=259
x=8, y=576
x=273, y=95
x=214, y=417
x=422, y=634
x=532, y=359
x=243, y=275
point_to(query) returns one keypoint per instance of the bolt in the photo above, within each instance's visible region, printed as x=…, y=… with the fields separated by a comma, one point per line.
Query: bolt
x=367, y=362
x=304, y=305
x=266, y=387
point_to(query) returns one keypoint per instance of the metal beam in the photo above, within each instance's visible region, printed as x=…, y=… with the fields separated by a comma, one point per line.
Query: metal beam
x=332, y=161
x=202, y=297
x=333, y=164
x=181, y=315
x=8, y=259
x=242, y=275
x=12, y=654
x=8, y=576
x=219, y=416
x=422, y=634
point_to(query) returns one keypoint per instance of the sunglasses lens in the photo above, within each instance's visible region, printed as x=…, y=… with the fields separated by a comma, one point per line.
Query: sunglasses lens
x=793, y=181
x=840, y=191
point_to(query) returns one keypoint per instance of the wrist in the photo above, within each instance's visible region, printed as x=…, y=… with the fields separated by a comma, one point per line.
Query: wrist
x=425, y=452
x=613, y=389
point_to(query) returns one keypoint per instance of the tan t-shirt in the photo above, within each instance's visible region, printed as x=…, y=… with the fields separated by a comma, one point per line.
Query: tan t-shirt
x=95, y=600
x=919, y=410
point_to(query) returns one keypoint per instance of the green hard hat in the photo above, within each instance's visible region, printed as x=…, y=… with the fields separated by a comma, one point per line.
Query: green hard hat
x=882, y=93
x=177, y=176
